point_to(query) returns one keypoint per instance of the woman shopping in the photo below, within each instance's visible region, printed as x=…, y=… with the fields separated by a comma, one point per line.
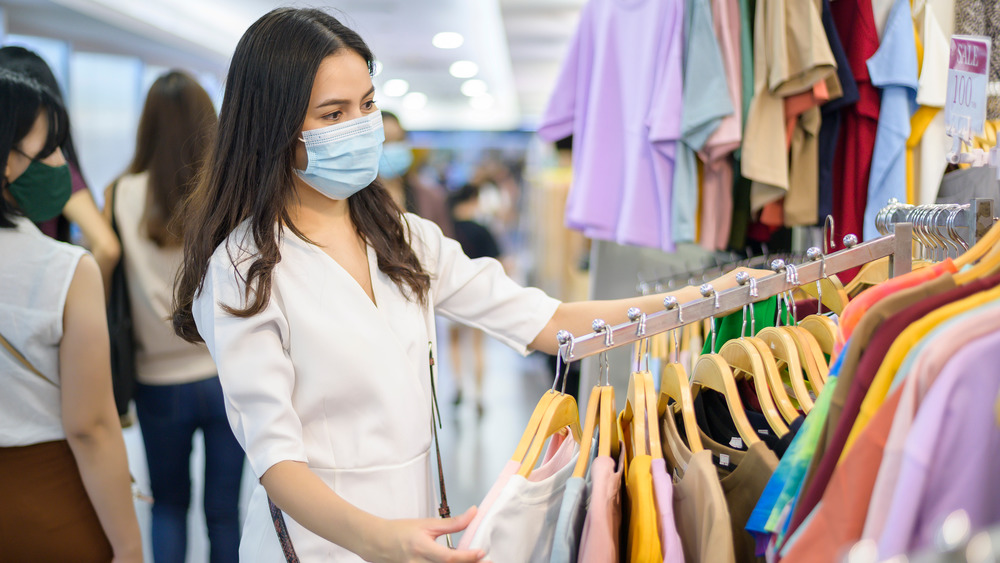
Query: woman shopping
x=64, y=480
x=316, y=296
x=178, y=391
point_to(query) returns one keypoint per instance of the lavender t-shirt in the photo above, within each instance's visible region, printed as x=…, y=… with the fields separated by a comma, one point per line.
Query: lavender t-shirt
x=951, y=453
x=620, y=95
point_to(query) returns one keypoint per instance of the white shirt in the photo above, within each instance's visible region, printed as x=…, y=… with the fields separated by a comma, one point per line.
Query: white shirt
x=162, y=357
x=324, y=376
x=35, y=276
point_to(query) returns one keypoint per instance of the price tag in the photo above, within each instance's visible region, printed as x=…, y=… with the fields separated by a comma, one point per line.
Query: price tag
x=968, y=76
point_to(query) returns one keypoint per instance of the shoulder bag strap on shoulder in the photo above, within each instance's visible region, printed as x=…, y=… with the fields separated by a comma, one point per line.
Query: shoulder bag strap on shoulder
x=24, y=361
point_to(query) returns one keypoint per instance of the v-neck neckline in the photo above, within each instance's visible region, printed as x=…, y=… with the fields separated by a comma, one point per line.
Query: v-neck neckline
x=374, y=299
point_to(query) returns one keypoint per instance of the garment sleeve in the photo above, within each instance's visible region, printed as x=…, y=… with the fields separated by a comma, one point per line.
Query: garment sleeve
x=664, y=117
x=557, y=121
x=254, y=367
x=477, y=292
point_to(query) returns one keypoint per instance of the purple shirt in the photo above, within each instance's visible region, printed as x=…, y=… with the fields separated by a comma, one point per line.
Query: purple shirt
x=619, y=94
x=951, y=454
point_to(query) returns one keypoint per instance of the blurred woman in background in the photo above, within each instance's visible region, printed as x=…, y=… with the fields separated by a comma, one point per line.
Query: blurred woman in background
x=63, y=470
x=80, y=208
x=178, y=390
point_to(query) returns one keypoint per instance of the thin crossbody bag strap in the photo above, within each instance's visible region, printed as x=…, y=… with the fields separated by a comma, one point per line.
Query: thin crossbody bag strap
x=24, y=361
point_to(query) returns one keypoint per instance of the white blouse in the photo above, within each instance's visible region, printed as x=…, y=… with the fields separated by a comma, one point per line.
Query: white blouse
x=324, y=376
x=35, y=276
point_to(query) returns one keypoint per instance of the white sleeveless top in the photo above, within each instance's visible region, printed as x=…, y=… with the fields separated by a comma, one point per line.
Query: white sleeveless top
x=162, y=358
x=35, y=274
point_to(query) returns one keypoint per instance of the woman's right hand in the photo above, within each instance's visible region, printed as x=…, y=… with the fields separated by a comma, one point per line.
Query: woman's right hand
x=413, y=541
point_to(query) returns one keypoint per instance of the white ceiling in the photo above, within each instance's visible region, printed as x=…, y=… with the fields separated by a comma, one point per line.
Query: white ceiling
x=517, y=44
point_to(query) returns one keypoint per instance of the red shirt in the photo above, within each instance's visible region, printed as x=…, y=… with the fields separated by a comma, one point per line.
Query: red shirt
x=856, y=26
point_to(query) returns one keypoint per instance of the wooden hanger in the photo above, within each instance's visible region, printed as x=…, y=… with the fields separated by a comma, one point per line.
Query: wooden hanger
x=783, y=348
x=745, y=360
x=609, y=440
x=652, y=420
x=593, y=415
x=774, y=382
x=676, y=452
x=561, y=412
x=529, y=431
x=634, y=415
x=874, y=273
x=823, y=329
x=989, y=242
x=674, y=385
x=988, y=263
x=835, y=297
x=713, y=372
x=811, y=357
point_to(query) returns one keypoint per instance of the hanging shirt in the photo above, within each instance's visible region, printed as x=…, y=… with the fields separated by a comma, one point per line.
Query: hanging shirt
x=829, y=129
x=663, y=492
x=569, y=523
x=706, y=102
x=879, y=351
x=928, y=145
x=618, y=95
x=836, y=522
x=852, y=163
x=599, y=541
x=741, y=185
x=297, y=377
x=893, y=68
x=717, y=183
x=643, y=535
x=947, y=340
x=702, y=516
x=791, y=54
x=521, y=523
x=951, y=454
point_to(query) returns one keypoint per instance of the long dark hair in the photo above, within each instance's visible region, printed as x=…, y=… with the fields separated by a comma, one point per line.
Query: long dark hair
x=23, y=100
x=30, y=64
x=175, y=132
x=249, y=173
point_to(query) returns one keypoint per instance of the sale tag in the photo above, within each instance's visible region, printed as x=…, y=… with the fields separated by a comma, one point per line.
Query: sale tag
x=968, y=77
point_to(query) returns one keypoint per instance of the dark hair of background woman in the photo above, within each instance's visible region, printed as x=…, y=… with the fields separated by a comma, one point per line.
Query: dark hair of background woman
x=28, y=63
x=249, y=173
x=175, y=132
x=22, y=100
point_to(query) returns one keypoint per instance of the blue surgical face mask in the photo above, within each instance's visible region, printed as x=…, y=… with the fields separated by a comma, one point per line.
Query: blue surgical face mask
x=343, y=158
x=396, y=159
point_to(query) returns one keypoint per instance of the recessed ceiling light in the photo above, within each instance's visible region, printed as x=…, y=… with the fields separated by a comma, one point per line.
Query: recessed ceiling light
x=415, y=100
x=464, y=69
x=481, y=102
x=376, y=68
x=474, y=87
x=395, y=87
x=448, y=40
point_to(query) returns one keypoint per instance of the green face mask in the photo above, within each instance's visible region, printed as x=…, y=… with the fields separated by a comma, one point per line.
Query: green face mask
x=42, y=191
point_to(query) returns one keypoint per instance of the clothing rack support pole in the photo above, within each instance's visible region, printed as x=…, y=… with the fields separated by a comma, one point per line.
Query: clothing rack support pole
x=902, y=258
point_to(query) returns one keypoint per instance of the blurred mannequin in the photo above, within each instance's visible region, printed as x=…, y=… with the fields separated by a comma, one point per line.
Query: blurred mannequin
x=398, y=175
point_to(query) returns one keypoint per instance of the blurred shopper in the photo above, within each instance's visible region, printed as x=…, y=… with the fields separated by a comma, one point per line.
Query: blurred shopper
x=397, y=173
x=477, y=242
x=178, y=390
x=64, y=481
x=80, y=208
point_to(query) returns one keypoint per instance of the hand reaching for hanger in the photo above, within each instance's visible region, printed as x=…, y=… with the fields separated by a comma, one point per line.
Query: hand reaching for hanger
x=413, y=541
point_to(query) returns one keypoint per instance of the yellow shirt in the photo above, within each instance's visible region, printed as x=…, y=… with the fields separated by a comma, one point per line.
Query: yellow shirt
x=897, y=353
x=643, y=532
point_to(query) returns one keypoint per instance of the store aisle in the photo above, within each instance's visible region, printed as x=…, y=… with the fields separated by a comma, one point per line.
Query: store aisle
x=474, y=449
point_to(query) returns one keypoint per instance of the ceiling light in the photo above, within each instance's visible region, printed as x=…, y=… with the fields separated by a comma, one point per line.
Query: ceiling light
x=376, y=68
x=415, y=100
x=395, y=87
x=474, y=87
x=481, y=102
x=464, y=69
x=448, y=40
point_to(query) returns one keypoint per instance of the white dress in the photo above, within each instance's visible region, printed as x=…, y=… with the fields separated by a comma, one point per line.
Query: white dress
x=324, y=376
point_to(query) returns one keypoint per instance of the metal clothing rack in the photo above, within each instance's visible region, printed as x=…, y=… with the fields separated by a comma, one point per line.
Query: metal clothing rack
x=897, y=246
x=940, y=225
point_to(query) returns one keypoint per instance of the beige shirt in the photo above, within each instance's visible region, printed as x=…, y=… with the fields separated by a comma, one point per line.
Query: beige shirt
x=162, y=358
x=791, y=54
x=701, y=513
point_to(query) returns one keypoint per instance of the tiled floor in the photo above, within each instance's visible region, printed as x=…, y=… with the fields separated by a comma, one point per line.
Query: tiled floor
x=474, y=448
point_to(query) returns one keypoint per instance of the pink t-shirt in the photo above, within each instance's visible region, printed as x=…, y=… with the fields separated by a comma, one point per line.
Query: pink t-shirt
x=663, y=491
x=599, y=541
x=619, y=95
